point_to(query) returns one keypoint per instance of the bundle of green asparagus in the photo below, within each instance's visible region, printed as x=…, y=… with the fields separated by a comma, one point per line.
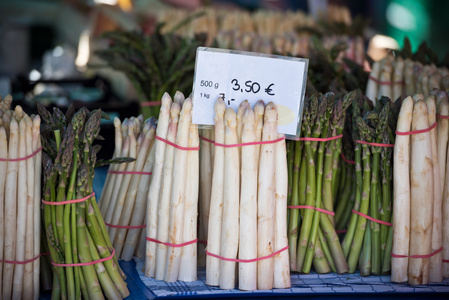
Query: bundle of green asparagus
x=84, y=264
x=420, y=192
x=20, y=175
x=407, y=74
x=368, y=240
x=311, y=233
x=124, y=199
x=172, y=210
x=247, y=219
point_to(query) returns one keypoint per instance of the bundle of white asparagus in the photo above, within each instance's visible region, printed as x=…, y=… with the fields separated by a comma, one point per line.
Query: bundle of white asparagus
x=171, y=250
x=396, y=77
x=419, y=155
x=123, y=202
x=20, y=202
x=248, y=208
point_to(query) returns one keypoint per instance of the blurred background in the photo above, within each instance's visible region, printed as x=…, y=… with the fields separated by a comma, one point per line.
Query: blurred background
x=121, y=55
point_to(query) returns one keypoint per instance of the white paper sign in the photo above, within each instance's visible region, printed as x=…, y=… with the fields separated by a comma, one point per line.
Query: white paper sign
x=237, y=76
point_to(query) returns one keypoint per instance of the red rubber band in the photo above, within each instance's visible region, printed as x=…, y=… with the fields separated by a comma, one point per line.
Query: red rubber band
x=242, y=144
x=69, y=201
x=177, y=146
x=86, y=263
x=327, y=212
x=207, y=140
x=341, y=231
x=14, y=262
x=203, y=242
x=129, y=172
x=246, y=260
x=384, y=82
x=417, y=131
x=172, y=245
x=347, y=160
x=320, y=139
x=151, y=103
x=446, y=260
x=419, y=256
x=442, y=117
x=372, y=219
x=375, y=144
x=22, y=158
x=125, y=227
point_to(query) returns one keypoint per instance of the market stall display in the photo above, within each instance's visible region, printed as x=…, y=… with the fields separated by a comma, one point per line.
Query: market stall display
x=20, y=193
x=83, y=259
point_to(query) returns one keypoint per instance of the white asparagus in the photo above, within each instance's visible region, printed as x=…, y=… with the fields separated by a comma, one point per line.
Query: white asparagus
x=140, y=208
x=445, y=213
x=177, y=197
x=266, y=200
x=3, y=174
x=179, y=98
x=37, y=203
x=281, y=260
x=248, y=206
x=155, y=186
x=421, y=208
x=28, y=283
x=259, y=110
x=188, y=266
x=163, y=213
x=111, y=202
x=398, y=78
x=442, y=134
x=126, y=212
x=216, y=201
x=409, y=78
x=445, y=83
x=372, y=85
x=240, y=111
x=20, y=218
x=401, y=203
x=120, y=202
x=435, y=267
x=231, y=195
x=205, y=190
x=425, y=84
x=110, y=178
x=386, y=87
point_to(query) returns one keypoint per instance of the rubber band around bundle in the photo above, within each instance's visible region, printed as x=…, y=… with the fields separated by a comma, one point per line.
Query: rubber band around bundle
x=69, y=201
x=385, y=82
x=418, y=255
x=177, y=146
x=130, y=172
x=86, y=263
x=446, y=260
x=347, y=160
x=247, y=260
x=372, y=219
x=242, y=144
x=202, y=242
x=320, y=139
x=327, y=212
x=170, y=244
x=125, y=227
x=375, y=144
x=442, y=117
x=417, y=131
x=341, y=231
x=151, y=103
x=23, y=158
x=13, y=262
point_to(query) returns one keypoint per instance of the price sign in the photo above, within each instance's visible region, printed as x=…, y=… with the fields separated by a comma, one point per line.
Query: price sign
x=236, y=76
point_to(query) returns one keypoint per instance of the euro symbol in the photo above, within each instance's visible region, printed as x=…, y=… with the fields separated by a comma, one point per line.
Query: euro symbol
x=269, y=91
